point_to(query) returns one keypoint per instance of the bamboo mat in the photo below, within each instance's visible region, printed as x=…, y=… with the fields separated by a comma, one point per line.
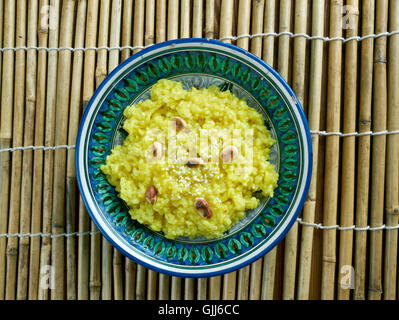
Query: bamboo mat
x=340, y=57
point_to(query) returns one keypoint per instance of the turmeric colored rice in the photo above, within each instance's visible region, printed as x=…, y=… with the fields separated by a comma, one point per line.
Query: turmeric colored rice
x=212, y=120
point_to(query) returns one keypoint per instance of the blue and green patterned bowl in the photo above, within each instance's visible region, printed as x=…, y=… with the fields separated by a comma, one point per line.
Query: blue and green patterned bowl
x=195, y=62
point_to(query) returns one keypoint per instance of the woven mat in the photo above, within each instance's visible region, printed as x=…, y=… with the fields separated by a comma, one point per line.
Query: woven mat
x=340, y=57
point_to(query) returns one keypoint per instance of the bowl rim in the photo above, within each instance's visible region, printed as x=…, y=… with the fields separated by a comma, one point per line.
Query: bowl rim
x=307, y=179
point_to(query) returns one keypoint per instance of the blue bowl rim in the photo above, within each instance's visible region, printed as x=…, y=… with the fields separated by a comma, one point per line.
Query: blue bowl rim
x=308, y=139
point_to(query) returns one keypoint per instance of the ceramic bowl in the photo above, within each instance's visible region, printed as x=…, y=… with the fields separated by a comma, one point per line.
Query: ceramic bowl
x=200, y=63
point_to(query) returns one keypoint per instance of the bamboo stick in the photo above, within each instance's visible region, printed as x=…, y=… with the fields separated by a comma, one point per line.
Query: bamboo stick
x=115, y=34
x=138, y=35
x=348, y=153
x=268, y=271
x=7, y=94
x=102, y=69
x=127, y=21
x=34, y=260
x=243, y=25
x=184, y=33
x=214, y=282
x=102, y=41
x=185, y=19
x=48, y=172
x=226, y=28
x=363, y=162
x=198, y=14
x=317, y=248
x=309, y=209
x=229, y=286
x=86, y=256
x=269, y=261
x=160, y=30
x=84, y=222
x=83, y=264
x=17, y=140
x=244, y=14
x=244, y=19
x=308, y=30
x=61, y=122
x=217, y=5
x=26, y=182
x=140, y=282
x=298, y=66
x=164, y=287
x=283, y=63
x=210, y=19
x=138, y=32
x=291, y=240
x=118, y=263
x=1, y=162
x=175, y=288
x=257, y=26
x=152, y=281
x=149, y=36
x=284, y=40
x=332, y=153
x=189, y=284
x=130, y=280
x=85, y=284
x=73, y=288
x=173, y=19
x=378, y=153
x=269, y=25
x=215, y=286
x=392, y=168
x=243, y=283
x=1, y=43
x=172, y=33
x=235, y=17
x=160, y=36
x=197, y=33
x=226, y=20
x=115, y=31
x=202, y=287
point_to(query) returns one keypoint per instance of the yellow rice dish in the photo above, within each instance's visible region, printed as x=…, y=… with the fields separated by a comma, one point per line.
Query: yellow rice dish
x=192, y=161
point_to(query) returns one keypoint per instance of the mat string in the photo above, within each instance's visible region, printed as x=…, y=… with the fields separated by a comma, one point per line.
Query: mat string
x=299, y=220
x=322, y=133
x=355, y=228
x=232, y=38
x=355, y=134
x=43, y=148
x=49, y=235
